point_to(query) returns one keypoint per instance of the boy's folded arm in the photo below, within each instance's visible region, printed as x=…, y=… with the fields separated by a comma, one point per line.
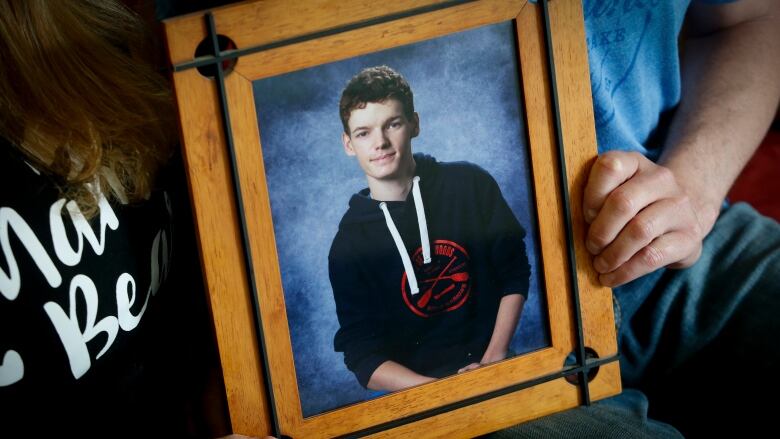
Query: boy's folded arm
x=507, y=239
x=360, y=335
x=393, y=376
x=506, y=322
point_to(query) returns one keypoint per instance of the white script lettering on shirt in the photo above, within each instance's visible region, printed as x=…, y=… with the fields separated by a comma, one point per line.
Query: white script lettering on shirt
x=66, y=324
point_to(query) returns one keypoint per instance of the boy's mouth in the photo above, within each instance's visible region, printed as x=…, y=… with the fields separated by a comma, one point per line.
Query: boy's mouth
x=383, y=157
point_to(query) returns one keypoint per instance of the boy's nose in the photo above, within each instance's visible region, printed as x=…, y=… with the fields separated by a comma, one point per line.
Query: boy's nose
x=381, y=141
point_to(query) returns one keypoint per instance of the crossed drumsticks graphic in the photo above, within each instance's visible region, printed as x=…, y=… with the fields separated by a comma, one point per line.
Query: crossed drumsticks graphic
x=457, y=277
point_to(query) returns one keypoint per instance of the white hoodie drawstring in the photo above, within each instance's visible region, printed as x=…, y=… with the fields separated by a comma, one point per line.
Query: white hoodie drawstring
x=399, y=243
x=418, y=204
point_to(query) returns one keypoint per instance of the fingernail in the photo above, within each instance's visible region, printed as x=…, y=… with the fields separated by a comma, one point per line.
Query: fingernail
x=590, y=215
x=600, y=265
x=591, y=247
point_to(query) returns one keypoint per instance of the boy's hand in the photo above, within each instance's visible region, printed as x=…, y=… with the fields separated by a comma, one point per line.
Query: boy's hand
x=640, y=218
x=471, y=366
x=484, y=362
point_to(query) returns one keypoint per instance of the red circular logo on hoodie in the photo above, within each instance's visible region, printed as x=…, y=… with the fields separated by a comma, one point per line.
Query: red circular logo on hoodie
x=444, y=283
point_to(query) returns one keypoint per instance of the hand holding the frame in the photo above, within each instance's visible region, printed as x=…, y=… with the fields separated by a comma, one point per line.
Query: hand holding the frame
x=641, y=218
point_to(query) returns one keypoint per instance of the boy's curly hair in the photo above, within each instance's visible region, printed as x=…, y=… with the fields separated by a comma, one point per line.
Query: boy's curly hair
x=375, y=84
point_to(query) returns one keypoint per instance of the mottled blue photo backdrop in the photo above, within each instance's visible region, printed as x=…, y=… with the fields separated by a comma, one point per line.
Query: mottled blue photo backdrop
x=466, y=91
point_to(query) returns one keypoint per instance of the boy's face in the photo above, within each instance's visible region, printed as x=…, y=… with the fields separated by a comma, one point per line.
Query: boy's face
x=380, y=137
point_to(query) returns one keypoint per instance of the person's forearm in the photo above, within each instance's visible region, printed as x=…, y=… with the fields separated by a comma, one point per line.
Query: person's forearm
x=731, y=87
x=393, y=376
x=506, y=322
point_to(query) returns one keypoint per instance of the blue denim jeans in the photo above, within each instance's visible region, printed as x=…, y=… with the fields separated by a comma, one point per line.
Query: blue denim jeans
x=702, y=343
x=620, y=417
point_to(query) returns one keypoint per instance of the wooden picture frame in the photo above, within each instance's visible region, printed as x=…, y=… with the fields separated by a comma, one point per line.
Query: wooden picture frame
x=233, y=215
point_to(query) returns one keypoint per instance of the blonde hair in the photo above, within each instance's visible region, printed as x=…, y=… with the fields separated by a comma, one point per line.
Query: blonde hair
x=77, y=100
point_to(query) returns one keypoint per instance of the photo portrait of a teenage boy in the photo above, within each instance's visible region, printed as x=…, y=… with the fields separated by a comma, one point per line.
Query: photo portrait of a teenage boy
x=468, y=124
x=428, y=268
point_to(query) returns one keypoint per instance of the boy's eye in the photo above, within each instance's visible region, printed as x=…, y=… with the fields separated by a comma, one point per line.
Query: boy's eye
x=360, y=134
x=395, y=124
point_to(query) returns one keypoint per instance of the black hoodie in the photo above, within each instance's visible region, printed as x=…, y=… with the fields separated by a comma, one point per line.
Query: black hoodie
x=477, y=257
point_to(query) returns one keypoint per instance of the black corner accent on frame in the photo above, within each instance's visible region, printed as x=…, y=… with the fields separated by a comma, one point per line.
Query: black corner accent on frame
x=228, y=131
x=580, y=349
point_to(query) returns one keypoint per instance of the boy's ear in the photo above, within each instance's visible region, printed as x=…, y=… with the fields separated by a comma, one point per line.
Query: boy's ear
x=416, y=123
x=347, y=144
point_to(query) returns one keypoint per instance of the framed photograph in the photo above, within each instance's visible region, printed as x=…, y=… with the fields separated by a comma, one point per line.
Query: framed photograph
x=387, y=201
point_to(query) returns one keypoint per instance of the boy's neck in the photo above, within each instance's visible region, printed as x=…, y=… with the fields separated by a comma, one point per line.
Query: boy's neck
x=392, y=190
